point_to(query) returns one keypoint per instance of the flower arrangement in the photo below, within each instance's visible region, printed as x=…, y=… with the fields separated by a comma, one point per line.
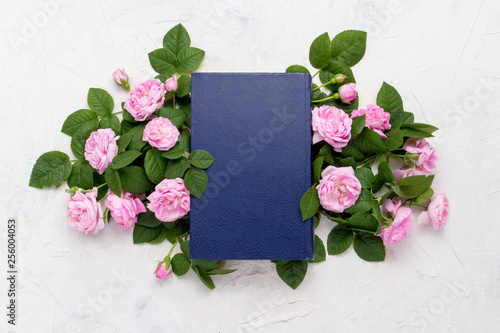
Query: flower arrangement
x=371, y=165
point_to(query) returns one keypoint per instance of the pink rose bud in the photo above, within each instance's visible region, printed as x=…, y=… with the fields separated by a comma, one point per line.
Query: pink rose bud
x=332, y=125
x=163, y=270
x=170, y=201
x=171, y=84
x=347, y=92
x=437, y=212
x=121, y=79
x=124, y=209
x=401, y=222
x=101, y=148
x=145, y=98
x=339, y=78
x=338, y=188
x=376, y=118
x=84, y=212
x=161, y=133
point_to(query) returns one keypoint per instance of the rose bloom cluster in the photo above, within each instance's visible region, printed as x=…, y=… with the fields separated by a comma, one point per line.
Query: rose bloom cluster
x=170, y=200
x=339, y=189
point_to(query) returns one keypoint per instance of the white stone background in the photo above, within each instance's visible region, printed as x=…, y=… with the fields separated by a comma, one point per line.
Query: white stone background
x=441, y=56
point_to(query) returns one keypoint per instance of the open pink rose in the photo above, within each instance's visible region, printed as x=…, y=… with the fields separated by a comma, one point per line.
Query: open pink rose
x=347, y=92
x=124, y=209
x=376, y=118
x=171, y=84
x=84, y=212
x=437, y=212
x=422, y=164
x=402, y=221
x=338, y=188
x=145, y=98
x=332, y=125
x=161, y=133
x=101, y=148
x=170, y=201
x=163, y=271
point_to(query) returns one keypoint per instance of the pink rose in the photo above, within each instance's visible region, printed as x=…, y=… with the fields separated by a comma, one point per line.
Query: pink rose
x=162, y=271
x=101, y=148
x=347, y=92
x=332, y=125
x=121, y=79
x=437, y=212
x=124, y=209
x=84, y=212
x=145, y=98
x=171, y=84
x=338, y=188
x=170, y=201
x=376, y=118
x=161, y=133
x=402, y=221
x=424, y=161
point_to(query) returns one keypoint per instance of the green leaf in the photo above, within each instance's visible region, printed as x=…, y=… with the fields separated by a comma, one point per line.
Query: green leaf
x=421, y=127
x=189, y=59
x=175, y=152
x=80, y=138
x=176, y=39
x=319, y=52
x=389, y=99
x=113, y=180
x=134, y=179
x=136, y=133
x=377, y=213
x=148, y=219
x=394, y=139
x=221, y=271
x=424, y=197
x=50, y=169
x=183, y=86
x=154, y=165
x=292, y=272
x=349, y=46
x=369, y=247
x=407, y=117
x=123, y=159
x=163, y=61
x=358, y=124
x=176, y=229
x=143, y=234
x=204, y=265
x=339, y=240
x=110, y=121
x=370, y=142
x=413, y=133
x=205, y=278
x=363, y=221
x=196, y=181
x=365, y=176
x=309, y=204
x=385, y=174
x=81, y=176
x=351, y=151
x=175, y=168
x=316, y=168
x=126, y=126
x=180, y=264
x=176, y=116
x=348, y=161
x=297, y=69
x=185, y=247
x=363, y=204
x=201, y=159
x=77, y=119
x=326, y=151
x=100, y=101
x=161, y=237
x=187, y=110
x=128, y=117
x=319, y=251
x=413, y=186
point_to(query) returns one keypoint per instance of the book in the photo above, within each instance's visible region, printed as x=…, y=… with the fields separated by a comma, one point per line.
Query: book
x=257, y=126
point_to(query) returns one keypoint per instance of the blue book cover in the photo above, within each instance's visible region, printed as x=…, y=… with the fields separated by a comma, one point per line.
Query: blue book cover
x=258, y=128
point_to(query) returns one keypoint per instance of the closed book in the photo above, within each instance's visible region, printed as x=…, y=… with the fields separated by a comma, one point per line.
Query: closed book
x=257, y=126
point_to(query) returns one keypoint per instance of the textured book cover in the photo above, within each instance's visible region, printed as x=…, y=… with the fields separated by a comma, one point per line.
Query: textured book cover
x=258, y=128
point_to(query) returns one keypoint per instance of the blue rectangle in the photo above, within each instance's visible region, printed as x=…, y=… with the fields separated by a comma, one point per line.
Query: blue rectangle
x=258, y=128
